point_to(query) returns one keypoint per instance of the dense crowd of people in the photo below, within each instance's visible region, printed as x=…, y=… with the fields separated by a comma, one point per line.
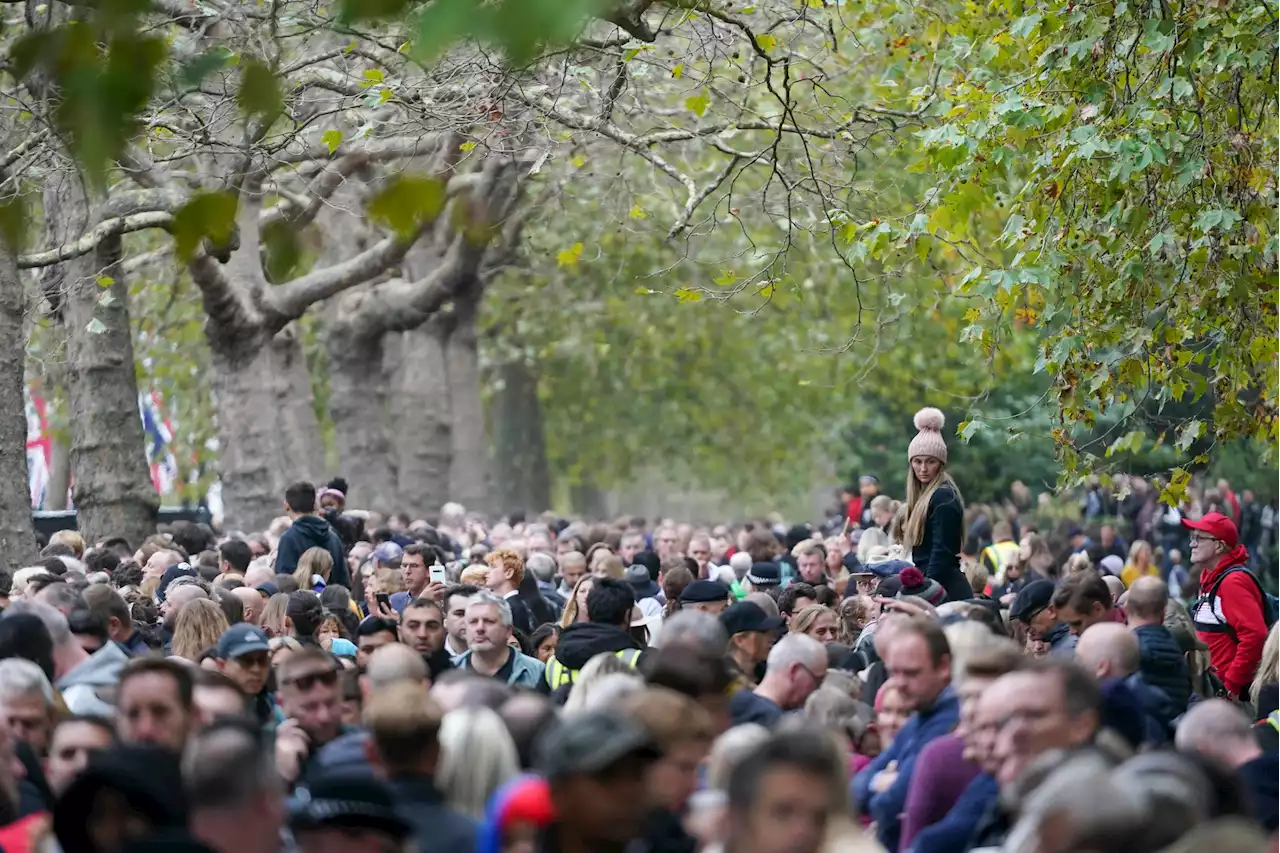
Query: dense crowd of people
x=912, y=675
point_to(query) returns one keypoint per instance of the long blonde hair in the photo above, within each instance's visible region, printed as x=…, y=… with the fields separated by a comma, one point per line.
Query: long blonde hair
x=275, y=620
x=477, y=756
x=1269, y=668
x=314, y=561
x=570, y=614
x=199, y=624
x=917, y=504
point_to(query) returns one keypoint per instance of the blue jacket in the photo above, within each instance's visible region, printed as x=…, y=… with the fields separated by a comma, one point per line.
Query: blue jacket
x=952, y=833
x=525, y=672
x=1163, y=666
x=924, y=726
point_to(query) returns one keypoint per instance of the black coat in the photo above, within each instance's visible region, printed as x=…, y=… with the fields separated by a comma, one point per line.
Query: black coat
x=1163, y=665
x=436, y=827
x=938, y=552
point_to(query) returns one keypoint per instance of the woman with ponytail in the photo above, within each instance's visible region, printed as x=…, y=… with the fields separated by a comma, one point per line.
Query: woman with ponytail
x=934, y=509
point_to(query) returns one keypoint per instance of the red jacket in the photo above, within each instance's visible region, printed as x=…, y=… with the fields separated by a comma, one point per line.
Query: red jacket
x=1232, y=625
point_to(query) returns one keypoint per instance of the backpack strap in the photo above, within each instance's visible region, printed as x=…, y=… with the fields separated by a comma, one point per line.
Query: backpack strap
x=1213, y=593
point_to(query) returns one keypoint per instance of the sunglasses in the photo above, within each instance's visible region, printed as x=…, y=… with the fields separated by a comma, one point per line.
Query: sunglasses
x=326, y=678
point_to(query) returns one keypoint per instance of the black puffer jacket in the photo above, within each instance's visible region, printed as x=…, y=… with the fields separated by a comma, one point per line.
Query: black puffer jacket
x=584, y=640
x=1162, y=664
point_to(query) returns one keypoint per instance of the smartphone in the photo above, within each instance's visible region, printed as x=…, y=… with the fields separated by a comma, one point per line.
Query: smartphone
x=437, y=574
x=384, y=600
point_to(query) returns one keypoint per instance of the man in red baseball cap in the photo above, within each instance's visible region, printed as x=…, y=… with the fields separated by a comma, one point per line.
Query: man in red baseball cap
x=1230, y=613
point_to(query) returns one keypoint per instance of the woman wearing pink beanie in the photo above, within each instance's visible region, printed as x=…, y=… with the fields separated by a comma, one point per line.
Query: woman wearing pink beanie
x=935, y=510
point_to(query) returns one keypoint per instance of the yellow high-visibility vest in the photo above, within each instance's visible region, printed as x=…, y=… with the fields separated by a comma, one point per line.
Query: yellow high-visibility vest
x=999, y=555
x=558, y=675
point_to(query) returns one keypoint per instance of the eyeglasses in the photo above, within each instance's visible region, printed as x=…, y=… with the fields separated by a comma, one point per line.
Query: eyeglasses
x=1202, y=538
x=817, y=679
x=327, y=678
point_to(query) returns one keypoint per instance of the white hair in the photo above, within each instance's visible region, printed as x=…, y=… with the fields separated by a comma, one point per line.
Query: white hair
x=694, y=629
x=21, y=677
x=486, y=597
x=54, y=622
x=724, y=574
x=605, y=692
x=542, y=565
x=796, y=648
x=477, y=756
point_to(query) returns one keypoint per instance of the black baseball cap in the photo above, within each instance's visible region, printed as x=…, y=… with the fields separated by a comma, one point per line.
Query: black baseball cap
x=346, y=801
x=748, y=616
x=703, y=592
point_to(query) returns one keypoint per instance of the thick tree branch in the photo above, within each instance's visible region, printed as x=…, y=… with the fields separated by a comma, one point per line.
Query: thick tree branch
x=290, y=301
x=224, y=303
x=90, y=241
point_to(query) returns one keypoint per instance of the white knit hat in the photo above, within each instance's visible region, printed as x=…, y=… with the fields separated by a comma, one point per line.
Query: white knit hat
x=929, y=441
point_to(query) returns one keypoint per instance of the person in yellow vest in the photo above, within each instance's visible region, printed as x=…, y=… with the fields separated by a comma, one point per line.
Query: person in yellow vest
x=1001, y=553
x=607, y=631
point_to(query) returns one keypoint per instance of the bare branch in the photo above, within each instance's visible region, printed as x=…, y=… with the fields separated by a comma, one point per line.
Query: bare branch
x=691, y=205
x=290, y=301
x=102, y=231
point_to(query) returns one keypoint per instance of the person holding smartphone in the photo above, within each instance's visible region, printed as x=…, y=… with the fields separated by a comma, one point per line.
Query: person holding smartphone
x=422, y=567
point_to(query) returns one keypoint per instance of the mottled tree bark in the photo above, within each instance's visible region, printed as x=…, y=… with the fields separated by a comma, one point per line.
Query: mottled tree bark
x=358, y=406
x=469, y=481
x=113, y=493
x=55, y=496
x=521, y=475
x=268, y=434
x=17, y=537
x=423, y=423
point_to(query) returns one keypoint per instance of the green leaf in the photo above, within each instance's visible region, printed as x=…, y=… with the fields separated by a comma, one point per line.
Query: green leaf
x=211, y=216
x=677, y=72
x=637, y=212
x=970, y=428
x=372, y=77
x=766, y=42
x=685, y=295
x=193, y=72
x=466, y=146
x=282, y=251
x=259, y=94
x=13, y=222
x=1188, y=434
x=352, y=11
x=95, y=327
x=332, y=139
x=408, y=203
x=726, y=278
x=697, y=104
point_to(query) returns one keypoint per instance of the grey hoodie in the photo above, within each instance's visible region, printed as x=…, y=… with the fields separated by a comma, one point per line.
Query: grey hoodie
x=90, y=686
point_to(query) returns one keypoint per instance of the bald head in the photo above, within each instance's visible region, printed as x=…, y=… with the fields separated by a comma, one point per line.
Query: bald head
x=1108, y=649
x=765, y=601
x=1115, y=585
x=253, y=603
x=394, y=662
x=1219, y=729
x=256, y=576
x=176, y=598
x=1146, y=602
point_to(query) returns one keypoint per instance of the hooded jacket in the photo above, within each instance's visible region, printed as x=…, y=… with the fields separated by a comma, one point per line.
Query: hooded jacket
x=310, y=531
x=1231, y=621
x=1163, y=666
x=90, y=686
x=581, y=642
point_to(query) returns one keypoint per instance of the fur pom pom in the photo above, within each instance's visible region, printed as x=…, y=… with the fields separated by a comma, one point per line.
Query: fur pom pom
x=930, y=418
x=911, y=577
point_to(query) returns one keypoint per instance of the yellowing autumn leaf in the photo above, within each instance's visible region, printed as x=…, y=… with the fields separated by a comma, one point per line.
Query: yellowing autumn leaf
x=726, y=278
x=569, y=257
x=766, y=42
x=684, y=295
x=677, y=72
x=332, y=139
x=466, y=146
x=579, y=160
x=637, y=212
x=697, y=104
